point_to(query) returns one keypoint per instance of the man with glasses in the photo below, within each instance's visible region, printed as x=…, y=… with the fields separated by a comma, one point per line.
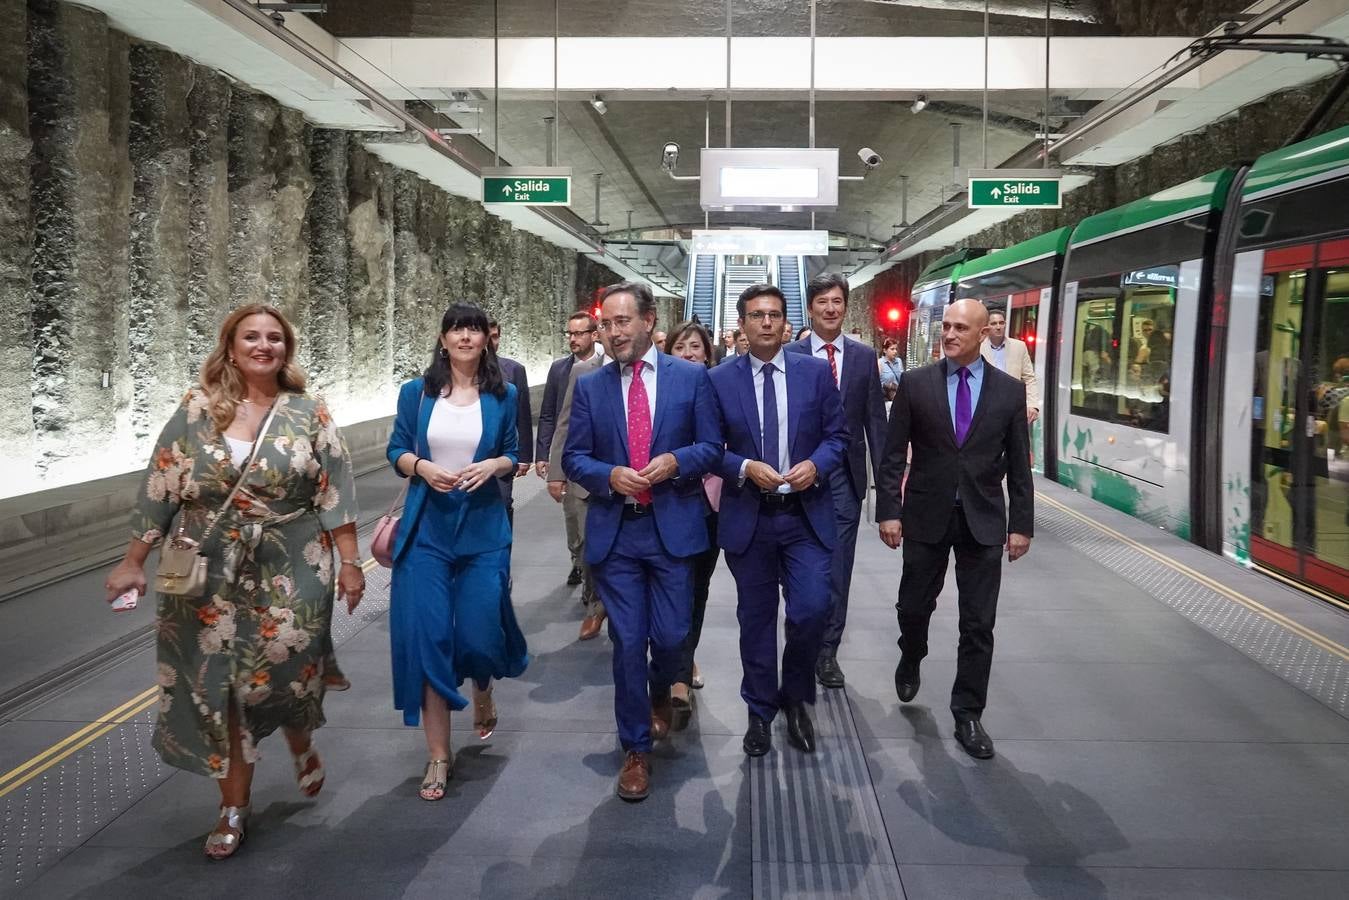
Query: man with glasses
x=644, y=430
x=581, y=333
x=785, y=437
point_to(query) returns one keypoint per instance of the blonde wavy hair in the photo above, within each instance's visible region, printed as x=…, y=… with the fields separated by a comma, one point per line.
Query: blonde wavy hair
x=221, y=380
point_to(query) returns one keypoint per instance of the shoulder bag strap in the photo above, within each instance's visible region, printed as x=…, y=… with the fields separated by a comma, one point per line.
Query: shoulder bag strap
x=407, y=482
x=257, y=446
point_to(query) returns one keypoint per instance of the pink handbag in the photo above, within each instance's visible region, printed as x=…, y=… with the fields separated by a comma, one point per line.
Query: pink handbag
x=386, y=533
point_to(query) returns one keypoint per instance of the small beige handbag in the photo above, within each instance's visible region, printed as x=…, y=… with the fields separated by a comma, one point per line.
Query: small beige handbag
x=182, y=566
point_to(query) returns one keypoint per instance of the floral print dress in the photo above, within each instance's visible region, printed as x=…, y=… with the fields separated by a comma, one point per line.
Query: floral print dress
x=260, y=636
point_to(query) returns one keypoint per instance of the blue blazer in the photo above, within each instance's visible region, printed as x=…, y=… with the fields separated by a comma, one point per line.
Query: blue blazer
x=482, y=524
x=815, y=431
x=863, y=409
x=686, y=424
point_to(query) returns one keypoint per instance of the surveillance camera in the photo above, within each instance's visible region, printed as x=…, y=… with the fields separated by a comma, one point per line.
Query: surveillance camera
x=278, y=19
x=670, y=155
x=870, y=158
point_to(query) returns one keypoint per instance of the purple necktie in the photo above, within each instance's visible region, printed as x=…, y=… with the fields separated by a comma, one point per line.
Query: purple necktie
x=964, y=410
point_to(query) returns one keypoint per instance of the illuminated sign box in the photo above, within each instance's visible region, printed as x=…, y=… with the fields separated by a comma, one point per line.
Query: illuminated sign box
x=748, y=242
x=754, y=179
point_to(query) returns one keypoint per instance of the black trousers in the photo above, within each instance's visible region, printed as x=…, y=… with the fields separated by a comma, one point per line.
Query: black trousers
x=978, y=578
x=704, y=564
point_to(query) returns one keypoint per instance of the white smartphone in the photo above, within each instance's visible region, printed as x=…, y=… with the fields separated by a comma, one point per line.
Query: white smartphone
x=127, y=601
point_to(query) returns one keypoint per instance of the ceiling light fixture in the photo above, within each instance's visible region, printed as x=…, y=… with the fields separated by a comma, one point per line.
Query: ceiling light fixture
x=919, y=103
x=599, y=105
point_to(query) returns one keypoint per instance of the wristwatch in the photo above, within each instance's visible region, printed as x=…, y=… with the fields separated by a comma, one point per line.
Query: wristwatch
x=357, y=562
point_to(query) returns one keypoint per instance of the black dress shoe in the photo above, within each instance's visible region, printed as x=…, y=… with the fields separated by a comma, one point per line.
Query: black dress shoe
x=800, y=730
x=974, y=739
x=907, y=682
x=574, y=576
x=827, y=672
x=758, y=739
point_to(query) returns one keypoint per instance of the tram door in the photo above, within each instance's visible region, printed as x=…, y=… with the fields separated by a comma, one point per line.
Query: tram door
x=1300, y=416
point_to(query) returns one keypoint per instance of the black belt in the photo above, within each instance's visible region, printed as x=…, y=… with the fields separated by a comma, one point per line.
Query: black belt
x=772, y=501
x=637, y=510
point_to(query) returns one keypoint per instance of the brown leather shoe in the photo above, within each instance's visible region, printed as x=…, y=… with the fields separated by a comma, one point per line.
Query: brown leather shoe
x=662, y=718
x=590, y=625
x=634, y=782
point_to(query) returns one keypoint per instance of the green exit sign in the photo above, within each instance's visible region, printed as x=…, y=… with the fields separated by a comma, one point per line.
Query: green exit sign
x=1033, y=189
x=529, y=186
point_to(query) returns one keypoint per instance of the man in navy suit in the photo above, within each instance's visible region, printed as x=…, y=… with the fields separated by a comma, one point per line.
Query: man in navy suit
x=644, y=430
x=514, y=372
x=785, y=436
x=852, y=365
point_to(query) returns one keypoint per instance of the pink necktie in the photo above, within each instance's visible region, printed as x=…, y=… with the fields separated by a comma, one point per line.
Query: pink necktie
x=639, y=427
x=830, y=349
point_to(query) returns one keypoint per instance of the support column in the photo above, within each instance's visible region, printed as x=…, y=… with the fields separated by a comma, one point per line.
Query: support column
x=289, y=287
x=328, y=327
x=370, y=236
x=16, y=243
x=208, y=213
x=160, y=152
x=252, y=183
x=77, y=116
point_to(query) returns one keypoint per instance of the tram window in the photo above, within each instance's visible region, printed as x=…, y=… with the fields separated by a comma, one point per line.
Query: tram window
x=1024, y=317
x=1122, y=350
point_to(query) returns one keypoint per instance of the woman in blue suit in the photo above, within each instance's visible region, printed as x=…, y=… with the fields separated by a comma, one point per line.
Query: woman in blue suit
x=450, y=615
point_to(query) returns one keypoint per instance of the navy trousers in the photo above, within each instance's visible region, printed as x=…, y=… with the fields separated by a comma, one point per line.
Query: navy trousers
x=784, y=552
x=648, y=596
x=847, y=513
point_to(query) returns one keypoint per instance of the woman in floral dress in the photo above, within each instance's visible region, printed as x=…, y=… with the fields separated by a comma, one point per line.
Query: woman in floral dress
x=251, y=655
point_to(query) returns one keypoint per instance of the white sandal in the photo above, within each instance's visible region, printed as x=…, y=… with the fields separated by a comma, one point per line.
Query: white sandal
x=235, y=818
x=310, y=782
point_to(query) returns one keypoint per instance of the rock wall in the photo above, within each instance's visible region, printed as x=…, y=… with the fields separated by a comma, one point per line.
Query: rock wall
x=143, y=196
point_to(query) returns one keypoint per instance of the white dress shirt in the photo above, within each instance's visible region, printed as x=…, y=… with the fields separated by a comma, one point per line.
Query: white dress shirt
x=780, y=388
x=648, y=379
x=817, y=350
x=999, y=354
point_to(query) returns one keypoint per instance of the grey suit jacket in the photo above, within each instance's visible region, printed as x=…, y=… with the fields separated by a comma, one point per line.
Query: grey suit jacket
x=555, y=472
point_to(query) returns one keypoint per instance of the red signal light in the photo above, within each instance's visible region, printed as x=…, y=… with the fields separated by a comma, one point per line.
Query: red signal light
x=1030, y=337
x=595, y=312
x=892, y=314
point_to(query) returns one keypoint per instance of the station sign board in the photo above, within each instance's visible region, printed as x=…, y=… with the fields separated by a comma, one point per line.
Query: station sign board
x=527, y=185
x=765, y=242
x=1021, y=188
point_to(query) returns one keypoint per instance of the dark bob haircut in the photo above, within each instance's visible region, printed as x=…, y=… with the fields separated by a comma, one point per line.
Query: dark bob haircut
x=437, y=375
x=681, y=332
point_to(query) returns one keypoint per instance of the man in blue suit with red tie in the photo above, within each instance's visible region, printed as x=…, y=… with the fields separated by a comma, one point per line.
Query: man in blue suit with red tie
x=853, y=367
x=785, y=436
x=644, y=430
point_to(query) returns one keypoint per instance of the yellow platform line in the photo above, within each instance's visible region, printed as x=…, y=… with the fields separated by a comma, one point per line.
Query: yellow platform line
x=1301, y=586
x=1297, y=628
x=20, y=775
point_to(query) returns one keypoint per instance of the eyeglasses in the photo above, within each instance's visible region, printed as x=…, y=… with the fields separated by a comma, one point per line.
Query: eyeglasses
x=576, y=334
x=621, y=323
x=761, y=314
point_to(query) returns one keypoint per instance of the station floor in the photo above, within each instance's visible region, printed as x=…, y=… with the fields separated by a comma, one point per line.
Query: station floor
x=1167, y=725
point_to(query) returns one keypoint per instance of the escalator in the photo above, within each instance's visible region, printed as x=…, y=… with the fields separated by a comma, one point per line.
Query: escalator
x=790, y=283
x=702, y=293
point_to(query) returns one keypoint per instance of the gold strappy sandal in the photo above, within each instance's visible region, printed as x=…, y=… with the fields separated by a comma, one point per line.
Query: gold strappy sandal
x=484, y=714
x=437, y=778
x=224, y=844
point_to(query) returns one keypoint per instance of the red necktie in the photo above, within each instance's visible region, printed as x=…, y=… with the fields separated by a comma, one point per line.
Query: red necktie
x=833, y=364
x=639, y=427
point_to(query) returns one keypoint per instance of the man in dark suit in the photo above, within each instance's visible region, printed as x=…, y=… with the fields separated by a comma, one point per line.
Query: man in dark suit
x=580, y=333
x=514, y=372
x=966, y=422
x=785, y=437
x=644, y=430
x=852, y=365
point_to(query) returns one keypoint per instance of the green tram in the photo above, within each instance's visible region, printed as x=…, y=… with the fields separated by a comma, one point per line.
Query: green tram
x=1192, y=350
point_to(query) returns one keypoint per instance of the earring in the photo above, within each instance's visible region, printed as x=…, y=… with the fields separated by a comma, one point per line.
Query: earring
x=444, y=354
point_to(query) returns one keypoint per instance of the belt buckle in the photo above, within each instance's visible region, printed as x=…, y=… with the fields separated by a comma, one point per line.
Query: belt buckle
x=773, y=498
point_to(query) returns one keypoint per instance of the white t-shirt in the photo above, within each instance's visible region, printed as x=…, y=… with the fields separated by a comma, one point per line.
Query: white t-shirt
x=453, y=434
x=240, y=450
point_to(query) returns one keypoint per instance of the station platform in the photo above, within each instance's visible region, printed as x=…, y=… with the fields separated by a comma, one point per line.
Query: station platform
x=1167, y=725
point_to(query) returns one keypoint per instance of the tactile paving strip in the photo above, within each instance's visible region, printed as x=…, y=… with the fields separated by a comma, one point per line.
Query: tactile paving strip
x=1292, y=657
x=817, y=827
x=58, y=811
